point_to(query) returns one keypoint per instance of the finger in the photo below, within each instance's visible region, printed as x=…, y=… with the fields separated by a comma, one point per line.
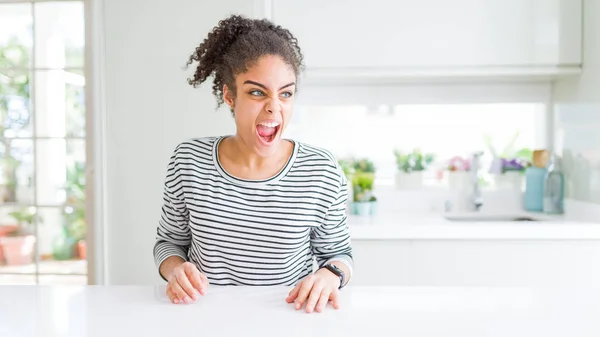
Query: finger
x=171, y=296
x=294, y=293
x=335, y=299
x=180, y=293
x=205, y=283
x=304, y=292
x=323, y=299
x=193, y=276
x=185, y=284
x=314, y=297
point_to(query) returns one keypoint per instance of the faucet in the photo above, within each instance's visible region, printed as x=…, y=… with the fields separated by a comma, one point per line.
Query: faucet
x=476, y=199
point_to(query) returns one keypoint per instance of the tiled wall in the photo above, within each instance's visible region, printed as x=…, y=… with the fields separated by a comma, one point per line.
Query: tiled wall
x=577, y=140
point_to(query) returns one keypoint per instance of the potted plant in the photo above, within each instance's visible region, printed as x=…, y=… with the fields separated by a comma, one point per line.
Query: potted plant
x=458, y=173
x=410, y=168
x=18, y=245
x=71, y=242
x=508, y=167
x=363, y=177
x=347, y=166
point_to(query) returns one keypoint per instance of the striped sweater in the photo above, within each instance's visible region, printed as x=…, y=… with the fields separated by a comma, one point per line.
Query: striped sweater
x=253, y=232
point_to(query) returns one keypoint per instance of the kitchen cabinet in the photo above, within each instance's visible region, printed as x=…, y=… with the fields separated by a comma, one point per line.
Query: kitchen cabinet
x=435, y=38
x=476, y=262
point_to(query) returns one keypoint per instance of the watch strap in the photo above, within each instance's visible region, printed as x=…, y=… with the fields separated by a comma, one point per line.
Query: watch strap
x=338, y=272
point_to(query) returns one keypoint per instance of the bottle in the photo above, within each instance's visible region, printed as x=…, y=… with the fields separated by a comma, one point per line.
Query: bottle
x=533, y=199
x=554, y=187
x=535, y=176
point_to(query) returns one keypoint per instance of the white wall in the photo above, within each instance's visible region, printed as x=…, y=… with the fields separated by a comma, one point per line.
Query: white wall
x=149, y=109
x=577, y=117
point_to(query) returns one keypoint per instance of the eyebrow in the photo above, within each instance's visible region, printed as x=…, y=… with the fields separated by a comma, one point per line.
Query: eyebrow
x=265, y=87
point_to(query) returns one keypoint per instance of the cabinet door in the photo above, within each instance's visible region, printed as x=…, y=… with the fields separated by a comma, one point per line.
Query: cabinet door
x=432, y=33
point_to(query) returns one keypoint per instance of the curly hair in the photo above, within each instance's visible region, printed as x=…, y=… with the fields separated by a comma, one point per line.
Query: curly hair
x=237, y=43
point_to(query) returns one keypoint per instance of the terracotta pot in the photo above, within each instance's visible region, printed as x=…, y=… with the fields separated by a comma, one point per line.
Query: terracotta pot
x=81, y=250
x=4, y=230
x=18, y=250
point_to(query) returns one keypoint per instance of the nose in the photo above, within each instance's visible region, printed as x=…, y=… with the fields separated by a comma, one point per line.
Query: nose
x=272, y=106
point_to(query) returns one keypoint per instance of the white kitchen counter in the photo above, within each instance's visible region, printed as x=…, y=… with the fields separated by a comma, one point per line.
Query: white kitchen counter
x=435, y=227
x=243, y=311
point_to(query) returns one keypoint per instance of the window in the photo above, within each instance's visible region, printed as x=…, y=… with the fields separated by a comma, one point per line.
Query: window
x=444, y=130
x=42, y=143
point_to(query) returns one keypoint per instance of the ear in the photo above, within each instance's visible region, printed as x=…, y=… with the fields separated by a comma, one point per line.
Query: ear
x=228, y=96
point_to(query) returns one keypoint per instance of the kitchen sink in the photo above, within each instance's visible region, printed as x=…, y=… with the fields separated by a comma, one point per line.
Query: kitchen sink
x=489, y=217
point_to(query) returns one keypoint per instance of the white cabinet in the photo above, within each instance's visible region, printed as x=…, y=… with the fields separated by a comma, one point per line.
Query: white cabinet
x=476, y=262
x=419, y=37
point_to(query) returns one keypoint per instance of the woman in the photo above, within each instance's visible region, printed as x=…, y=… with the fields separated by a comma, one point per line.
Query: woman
x=253, y=208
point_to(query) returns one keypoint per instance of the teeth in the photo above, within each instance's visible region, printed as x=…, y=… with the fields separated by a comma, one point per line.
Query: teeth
x=269, y=124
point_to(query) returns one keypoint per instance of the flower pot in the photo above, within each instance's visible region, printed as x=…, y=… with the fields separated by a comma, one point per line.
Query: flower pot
x=362, y=208
x=81, y=249
x=460, y=187
x=373, y=207
x=409, y=181
x=4, y=231
x=512, y=180
x=18, y=250
x=460, y=180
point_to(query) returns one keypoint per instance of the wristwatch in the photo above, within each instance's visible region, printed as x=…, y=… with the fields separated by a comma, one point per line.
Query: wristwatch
x=338, y=272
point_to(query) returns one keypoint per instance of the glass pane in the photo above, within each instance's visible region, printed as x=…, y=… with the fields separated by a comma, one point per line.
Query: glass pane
x=61, y=240
x=60, y=103
x=62, y=179
x=16, y=35
x=17, y=279
x=443, y=130
x=59, y=34
x=16, y=171
x=15, y=103
x=63, y=279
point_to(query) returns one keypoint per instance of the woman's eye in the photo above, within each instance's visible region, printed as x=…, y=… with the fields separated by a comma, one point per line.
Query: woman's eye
x=256, y=93
x=286, y=94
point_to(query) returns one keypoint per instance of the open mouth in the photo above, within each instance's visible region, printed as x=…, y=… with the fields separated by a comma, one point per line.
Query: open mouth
x=267, y=131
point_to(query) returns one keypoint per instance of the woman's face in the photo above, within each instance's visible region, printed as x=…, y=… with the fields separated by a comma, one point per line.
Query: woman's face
x=263, y=103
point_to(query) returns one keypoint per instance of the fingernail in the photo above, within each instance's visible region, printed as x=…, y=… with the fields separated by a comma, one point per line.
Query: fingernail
x=176, y=301
x=188, y=300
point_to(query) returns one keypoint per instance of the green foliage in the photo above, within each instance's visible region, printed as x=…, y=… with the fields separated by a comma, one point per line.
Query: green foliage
x=14, y=88
x=74, y=211
x=25, y=218
x=364, y=165
x=413, y=161
x=347, y=166
x=362, y=185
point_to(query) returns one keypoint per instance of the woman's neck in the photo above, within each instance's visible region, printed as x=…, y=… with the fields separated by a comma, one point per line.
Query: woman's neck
x=244, y=156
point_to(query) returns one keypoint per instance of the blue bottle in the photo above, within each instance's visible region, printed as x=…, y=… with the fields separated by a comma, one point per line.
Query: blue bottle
x=554, y=187
x=533, y=200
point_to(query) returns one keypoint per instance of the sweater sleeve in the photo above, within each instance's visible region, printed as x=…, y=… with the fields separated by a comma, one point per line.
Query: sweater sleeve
x=173, y=234
x=331, y=241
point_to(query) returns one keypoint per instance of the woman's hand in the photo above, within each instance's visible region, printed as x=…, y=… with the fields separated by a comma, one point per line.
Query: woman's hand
x=316, y=291
x=185, y=282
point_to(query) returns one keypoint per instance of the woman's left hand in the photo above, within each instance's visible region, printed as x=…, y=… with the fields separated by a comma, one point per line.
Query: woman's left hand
x=316, y=291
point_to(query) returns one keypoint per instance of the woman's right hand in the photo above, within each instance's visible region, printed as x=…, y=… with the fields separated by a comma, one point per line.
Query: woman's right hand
x=185, y=282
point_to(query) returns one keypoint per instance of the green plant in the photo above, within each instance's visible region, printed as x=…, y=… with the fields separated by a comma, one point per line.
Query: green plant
x=414, y=161
x=74, y=210
x=362, y=186
x=364, y=165
x=25, y=218
x=14, y=110
x=347, y=166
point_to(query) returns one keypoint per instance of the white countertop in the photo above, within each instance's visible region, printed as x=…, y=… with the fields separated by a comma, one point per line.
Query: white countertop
x=115, y=311
x=398, y=226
